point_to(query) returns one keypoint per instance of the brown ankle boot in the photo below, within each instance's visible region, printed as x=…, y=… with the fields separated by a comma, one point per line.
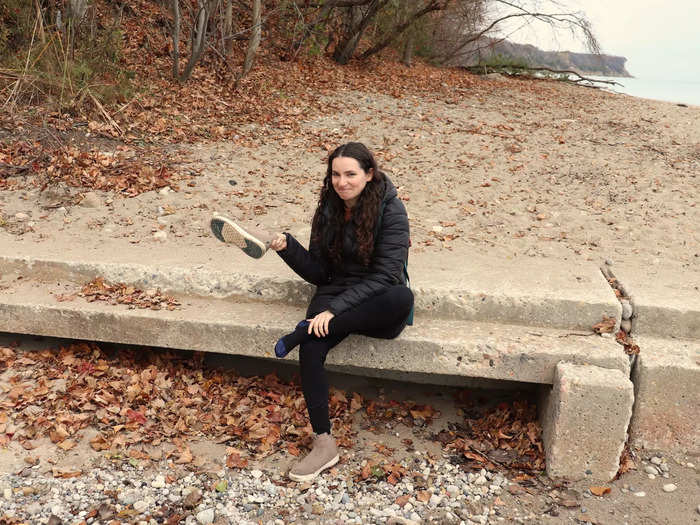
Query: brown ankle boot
x=323, y=455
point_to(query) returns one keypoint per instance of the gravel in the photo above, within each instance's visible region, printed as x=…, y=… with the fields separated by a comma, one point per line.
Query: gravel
x=436, y=492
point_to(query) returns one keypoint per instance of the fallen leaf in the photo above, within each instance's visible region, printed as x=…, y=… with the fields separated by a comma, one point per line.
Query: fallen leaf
x=599, y=491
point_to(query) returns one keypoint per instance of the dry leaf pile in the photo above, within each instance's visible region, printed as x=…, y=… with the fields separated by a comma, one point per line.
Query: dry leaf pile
x=151, y=398
x=123, y=172
x=120, y=293
x=508, y=435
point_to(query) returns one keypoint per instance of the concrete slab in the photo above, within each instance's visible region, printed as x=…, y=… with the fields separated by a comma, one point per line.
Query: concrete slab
x=438, y=347
x=665, y=298
x=585, y=416
x=519, y=291
x=666, y=377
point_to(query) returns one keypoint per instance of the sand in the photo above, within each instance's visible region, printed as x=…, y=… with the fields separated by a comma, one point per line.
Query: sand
x=521, y=169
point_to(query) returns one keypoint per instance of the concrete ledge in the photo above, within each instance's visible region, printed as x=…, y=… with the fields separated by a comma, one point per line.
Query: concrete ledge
x=665, y=298
x=585, y=416
x=525, y=292
x=666, y=377
x=436, y=347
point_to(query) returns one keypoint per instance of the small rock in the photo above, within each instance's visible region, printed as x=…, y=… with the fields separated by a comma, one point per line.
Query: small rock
x=21, y=216
x=105, y=512
x=649, y=469
x=160, y=235
x=698, y=509
x=91, y=200
x=626, y=309
x=397, y=520
x=609, y=262
x=140, y=506
x=669, y=487
x=640, y=494
x=317, y=508
x=127, y=498
x=435, y=500
x=192, y=498
x=663, y=467
x=651, y=476
x=256, y=473
x=656, y=460
x=690, y=465
x=158, y=483
x=7, y=494
x=205, y=517
x=33, y=508
x=54, y=520
x=164, y=191
x=626, y=325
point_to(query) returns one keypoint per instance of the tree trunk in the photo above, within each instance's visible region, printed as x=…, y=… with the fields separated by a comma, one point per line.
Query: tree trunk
x=176, y=39
x=355, y=25
x=253, y=42
x=199, y=36
x=407, y=57
x=228, y=27
x=400, y=28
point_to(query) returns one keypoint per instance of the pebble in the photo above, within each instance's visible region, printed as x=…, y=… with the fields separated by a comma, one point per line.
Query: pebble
x=626, y=309
x=205, y=517
x=690, y=465
x=160, y=235
x=669, y=487
x=640, y=494
x=649, y=469
x=626, y=325
x=656, y=460
x=21, y=216
x=250, y=496
x=435, y=500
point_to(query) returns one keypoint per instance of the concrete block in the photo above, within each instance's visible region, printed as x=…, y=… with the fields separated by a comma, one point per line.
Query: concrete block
x=485, y=289
x=666, y=299
x=437, y=347
x=585, y=416
x=666, y=379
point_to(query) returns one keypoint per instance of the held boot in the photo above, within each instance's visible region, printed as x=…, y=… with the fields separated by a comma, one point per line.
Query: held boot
x=253, y=241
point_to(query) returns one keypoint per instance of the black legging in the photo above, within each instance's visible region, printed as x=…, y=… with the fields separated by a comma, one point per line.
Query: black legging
x=382, y=316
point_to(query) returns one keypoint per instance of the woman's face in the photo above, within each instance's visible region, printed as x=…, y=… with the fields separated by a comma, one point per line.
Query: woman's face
x=349, y=179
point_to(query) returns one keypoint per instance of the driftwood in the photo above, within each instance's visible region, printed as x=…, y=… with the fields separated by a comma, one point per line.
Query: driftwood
x=524, y=70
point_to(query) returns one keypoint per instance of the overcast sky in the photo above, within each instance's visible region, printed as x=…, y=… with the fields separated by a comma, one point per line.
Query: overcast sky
x=659, y=38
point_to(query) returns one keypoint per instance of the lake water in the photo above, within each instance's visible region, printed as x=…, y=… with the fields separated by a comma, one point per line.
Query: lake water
x=679, y=91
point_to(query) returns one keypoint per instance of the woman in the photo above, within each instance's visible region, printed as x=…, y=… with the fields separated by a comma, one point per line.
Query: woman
x=356, y=258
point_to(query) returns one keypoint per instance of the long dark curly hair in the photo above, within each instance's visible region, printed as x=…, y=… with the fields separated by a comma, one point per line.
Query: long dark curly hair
x=329, y=218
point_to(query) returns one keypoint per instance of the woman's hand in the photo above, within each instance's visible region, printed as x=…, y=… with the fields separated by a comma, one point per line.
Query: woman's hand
x=319, y=324
x=279, y=243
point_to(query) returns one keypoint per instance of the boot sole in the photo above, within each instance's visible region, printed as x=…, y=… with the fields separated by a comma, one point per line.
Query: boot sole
x=312, y=475
x=229, y=232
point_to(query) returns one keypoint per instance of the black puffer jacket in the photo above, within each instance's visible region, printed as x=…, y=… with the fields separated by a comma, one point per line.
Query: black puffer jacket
x=343, y=288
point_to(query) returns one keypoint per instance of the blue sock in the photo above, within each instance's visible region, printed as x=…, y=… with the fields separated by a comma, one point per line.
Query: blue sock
x=290, y=341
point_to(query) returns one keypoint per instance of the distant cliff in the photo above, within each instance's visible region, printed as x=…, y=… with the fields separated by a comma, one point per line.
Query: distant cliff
x=584, y=63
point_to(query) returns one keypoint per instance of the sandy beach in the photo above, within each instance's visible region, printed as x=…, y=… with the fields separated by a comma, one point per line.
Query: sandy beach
x=516, y=168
